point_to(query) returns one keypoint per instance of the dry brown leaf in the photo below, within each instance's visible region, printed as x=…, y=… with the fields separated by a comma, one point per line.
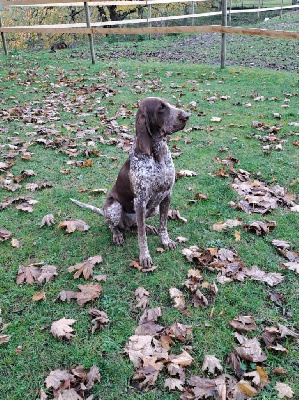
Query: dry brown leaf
x=243, y=323
x=72, y=226
x=246, y=388
x=88, y=292
x=285, y=331
x=28, y=274
x=284, y=390
x=230, y=223
x=47, y=220
x=4, y=338
x=210, y=364
x=179, y=300
x=62, y=328
x=100, y=278
x=85, y=268
x=271, y=278
x=173, y=384
x=175, y=214
x=182, y=359
x=251, y=350
x=15, y=243
x=4, y=234
x=47, y=273
x=57, y=377
x=141, y=296
x=100, y=319
x=181, y=239
x=39, y=296
x=199, y=300
x=67, y=295
x=180, y=331
x=135, y=264
x=292, y=266
x=185, y=172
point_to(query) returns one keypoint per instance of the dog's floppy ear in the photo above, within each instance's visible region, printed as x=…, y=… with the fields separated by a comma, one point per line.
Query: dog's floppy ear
x=143, y=133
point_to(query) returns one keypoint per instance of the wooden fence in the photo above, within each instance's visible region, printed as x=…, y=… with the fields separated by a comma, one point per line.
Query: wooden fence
x=92, y=28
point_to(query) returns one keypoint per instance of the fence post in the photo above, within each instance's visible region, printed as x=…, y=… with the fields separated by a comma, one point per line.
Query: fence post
x=223, y=35
x=89, y=35
x=192, y=12
x=281, y=9
x=258, y=13
x=149, y=16
x=3, y=37
x=230, y=10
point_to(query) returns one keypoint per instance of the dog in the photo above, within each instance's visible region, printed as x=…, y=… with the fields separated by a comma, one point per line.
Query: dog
x=144, y=184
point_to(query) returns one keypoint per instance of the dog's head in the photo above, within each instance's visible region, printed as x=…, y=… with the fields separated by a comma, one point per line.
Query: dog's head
x=155, y=119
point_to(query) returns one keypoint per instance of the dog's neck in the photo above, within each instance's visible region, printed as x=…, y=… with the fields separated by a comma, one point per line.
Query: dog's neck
x=159, y=148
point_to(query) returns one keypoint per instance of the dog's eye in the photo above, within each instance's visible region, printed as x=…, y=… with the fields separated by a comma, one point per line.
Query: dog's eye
x=162, y=106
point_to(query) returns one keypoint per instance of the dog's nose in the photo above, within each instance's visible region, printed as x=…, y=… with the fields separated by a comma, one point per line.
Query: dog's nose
x=184, y=116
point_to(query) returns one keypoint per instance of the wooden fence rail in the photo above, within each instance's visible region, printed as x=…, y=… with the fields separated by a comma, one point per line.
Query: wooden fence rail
x=92, y=28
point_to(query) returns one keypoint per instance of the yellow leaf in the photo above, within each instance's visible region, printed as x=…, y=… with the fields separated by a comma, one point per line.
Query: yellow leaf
x=237, y=236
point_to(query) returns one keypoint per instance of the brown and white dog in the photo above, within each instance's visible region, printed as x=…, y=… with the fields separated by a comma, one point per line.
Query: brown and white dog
x=144, y=184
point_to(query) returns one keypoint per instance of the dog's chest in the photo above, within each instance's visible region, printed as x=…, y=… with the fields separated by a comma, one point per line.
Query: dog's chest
x=154, y=178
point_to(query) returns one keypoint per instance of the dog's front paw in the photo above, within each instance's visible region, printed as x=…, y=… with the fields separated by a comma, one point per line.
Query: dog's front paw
x=169, y=244
x=118, y=238
x=146, y=261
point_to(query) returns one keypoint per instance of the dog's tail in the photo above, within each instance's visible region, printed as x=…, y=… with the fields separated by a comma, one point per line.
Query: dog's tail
x=88, y=206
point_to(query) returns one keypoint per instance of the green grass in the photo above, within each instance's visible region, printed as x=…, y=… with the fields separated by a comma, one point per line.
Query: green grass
x=34, y=79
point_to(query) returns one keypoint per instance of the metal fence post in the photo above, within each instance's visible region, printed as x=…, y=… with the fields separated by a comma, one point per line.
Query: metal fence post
x=223, y=35
x=89, y=35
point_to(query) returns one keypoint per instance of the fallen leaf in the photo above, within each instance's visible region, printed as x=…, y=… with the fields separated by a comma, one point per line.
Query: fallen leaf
x=55, y=378
x=179, y=301
x=72, y=226
x=28, y=274
x=47, y=220
x=175, y=214
x=173, y=383
x=100, y=319
x=284, y=390
x=211, y=363
x=39, y=296
x=251, y=350
x=5, y=234
x=182, y=359
x=246, y=388
x=243, y=323
x=85, y=268
x=185, y=172
x=4, y=338
x=88, y=292
x=15, y=243
x=141, y=296
x=47, y=273
x=62, y=328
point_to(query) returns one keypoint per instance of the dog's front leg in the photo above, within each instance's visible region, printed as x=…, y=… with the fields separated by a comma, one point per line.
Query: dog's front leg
x=165, y=239
x=144, y=255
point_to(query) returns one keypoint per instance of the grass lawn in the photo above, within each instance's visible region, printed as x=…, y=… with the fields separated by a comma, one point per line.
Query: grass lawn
x=55, y=107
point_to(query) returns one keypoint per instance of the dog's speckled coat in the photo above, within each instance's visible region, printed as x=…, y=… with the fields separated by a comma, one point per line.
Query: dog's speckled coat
x=144, y=184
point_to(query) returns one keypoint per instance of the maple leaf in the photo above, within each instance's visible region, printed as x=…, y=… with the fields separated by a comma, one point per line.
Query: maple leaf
x=182, y=359
x=284, y=390
x=88, y=292
x=211, y=363
x=185, y=172
x=47, y=273
x=85, y=268
x=180, y=331
x=47, y=220
x=62, y=328
x=284, y=331
x=100, y=321
x=39, y=296
x=69, y=394
x=67, y=295
x=57, y=377
x=175, y=214
x=28, y=274
x=250, y=350
x=141, y=296
x=234, y=361
x=92, y=376
x=202, y=387
x=230, y=223
x=72, y=226
x=173, y=383
x=199, y=300
x=245, y=387
x=37, y=185
x=135, y=264
x=4, y=338
x=272, y=278
x=179, y=301
x=292, y=266
x=4, y=234
x=243, y=323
